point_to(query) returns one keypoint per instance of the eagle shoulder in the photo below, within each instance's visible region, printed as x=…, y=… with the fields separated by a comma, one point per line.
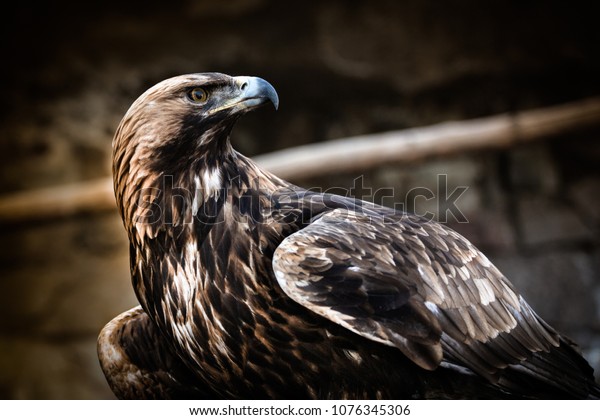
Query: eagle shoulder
x=138, y=364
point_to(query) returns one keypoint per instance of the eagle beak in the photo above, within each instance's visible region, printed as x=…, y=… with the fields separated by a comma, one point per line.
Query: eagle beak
x=254, y=92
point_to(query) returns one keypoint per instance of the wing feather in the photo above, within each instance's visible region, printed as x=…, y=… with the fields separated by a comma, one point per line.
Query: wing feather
x=412, y=284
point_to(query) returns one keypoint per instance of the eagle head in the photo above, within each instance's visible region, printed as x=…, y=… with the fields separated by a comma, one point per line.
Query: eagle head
x=179, y=128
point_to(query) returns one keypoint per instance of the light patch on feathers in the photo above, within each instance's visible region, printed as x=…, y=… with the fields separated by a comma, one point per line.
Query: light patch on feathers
x=220, y=325
x=197, y=195
x=132, y=378
x=432, y=307
x=483, y=260
x=110, y=353
x=431, y=279
x=185, y=276
x=211, y=183
x=386, y=255
x=486, y=292
x=183, y=282
x=353, y=355
x=463, y=273
x=191, y=251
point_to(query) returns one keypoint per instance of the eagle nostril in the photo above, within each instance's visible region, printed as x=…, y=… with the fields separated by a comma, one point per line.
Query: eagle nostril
x=244, y=86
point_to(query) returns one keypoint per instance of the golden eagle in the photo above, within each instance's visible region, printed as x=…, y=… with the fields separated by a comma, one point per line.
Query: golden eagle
x=251, y=287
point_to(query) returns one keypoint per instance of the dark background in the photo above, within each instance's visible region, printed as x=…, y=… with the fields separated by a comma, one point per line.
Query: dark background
x=70, y=70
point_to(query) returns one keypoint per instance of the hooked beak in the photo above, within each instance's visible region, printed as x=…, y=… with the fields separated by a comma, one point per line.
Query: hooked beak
x=255, y=92
x=251, y=92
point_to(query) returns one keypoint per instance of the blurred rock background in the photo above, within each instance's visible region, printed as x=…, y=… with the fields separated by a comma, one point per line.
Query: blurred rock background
x=71, y=69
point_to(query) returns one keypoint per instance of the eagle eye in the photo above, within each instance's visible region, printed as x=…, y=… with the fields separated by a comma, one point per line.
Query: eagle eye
x=198, y=95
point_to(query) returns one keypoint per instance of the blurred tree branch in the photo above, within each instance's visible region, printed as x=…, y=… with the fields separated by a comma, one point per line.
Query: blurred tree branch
x=335, y=156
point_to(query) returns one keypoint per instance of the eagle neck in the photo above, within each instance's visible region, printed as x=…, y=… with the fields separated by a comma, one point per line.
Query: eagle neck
x=193, y=262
